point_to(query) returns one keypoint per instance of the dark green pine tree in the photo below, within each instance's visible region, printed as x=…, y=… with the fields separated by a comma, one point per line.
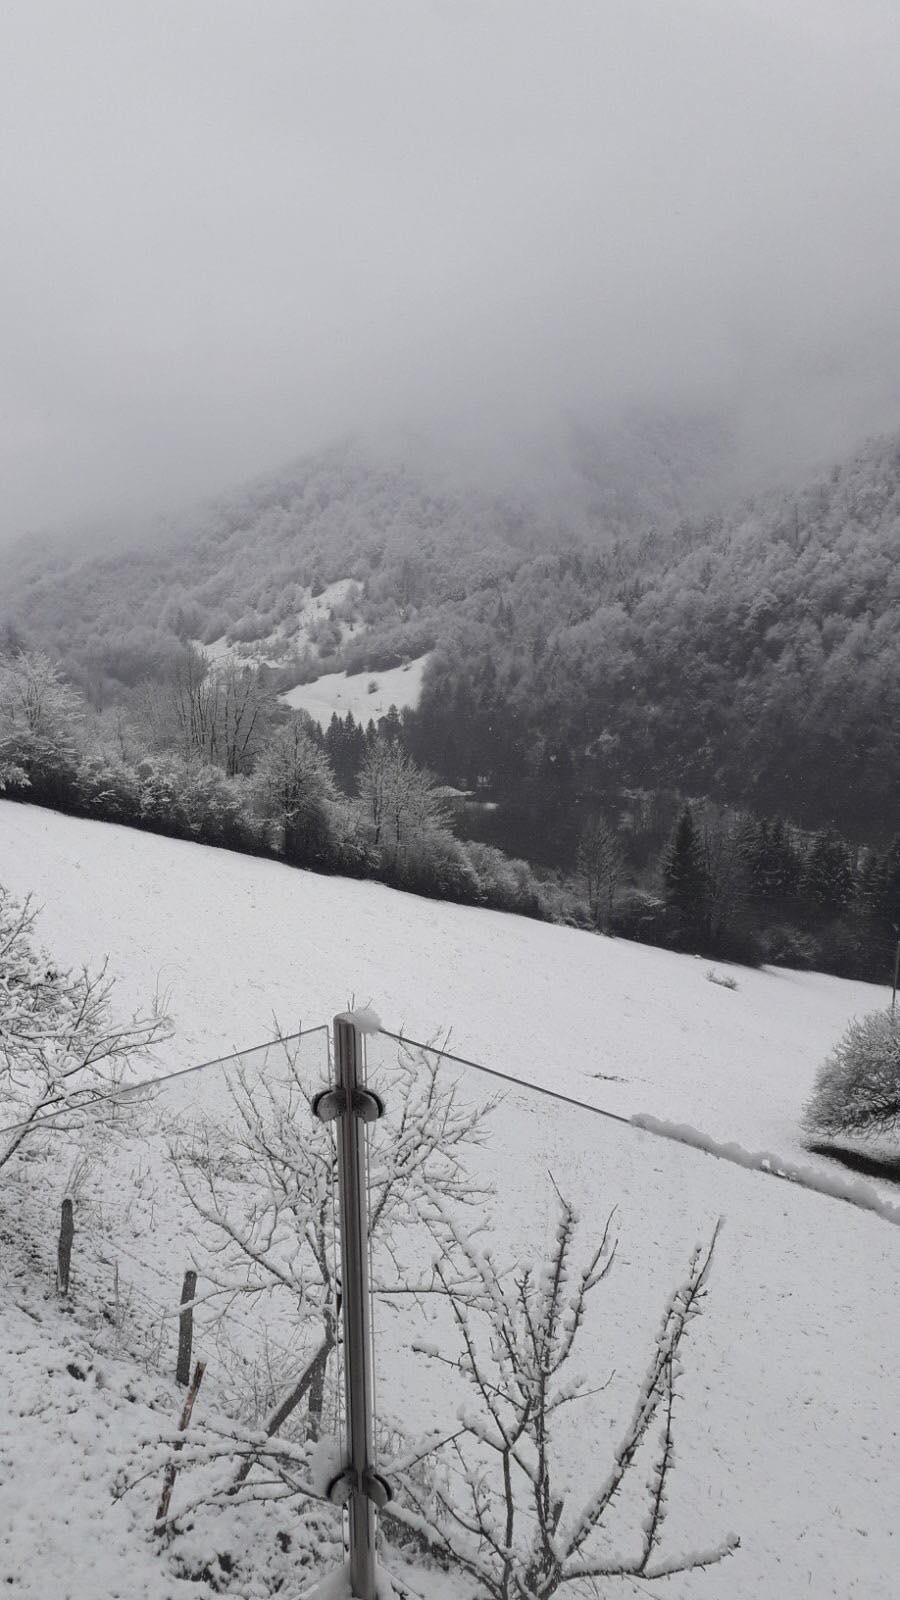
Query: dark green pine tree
x=878, y=903
x=345, y=747
x=888, y=894
x=686, y=882
x=868, y=887
x=773, y=866
x=828, y=875
x=390, y=727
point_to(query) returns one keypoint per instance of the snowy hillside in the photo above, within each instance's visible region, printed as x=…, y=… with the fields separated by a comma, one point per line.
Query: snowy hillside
x=366, y=695
x=238, y=941
x=798, y=1336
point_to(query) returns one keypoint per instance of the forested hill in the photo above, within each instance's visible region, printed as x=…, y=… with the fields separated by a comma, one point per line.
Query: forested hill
x=245, y=566
x=756, y=660
x=418, y=541
x=753, y=657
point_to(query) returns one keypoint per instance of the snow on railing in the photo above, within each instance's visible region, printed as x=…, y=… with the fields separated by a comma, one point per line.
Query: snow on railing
x=815, y=1179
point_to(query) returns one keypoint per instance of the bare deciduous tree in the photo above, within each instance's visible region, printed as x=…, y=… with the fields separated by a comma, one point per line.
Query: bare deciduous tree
x=271, y=1232
x=600, y=865
x=245, y=706
x=503, y=1513
x=61, y=1046
x=399, y=800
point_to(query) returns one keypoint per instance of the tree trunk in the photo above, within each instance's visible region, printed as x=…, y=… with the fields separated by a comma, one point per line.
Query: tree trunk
x=289, y=1404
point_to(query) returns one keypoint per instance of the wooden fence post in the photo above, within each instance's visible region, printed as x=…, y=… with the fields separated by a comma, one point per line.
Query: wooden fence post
x=64, y=1248
x=162, y=1510
x=186, y=1329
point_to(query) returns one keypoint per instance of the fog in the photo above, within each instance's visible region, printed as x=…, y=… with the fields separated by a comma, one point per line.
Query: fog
x=234, y=230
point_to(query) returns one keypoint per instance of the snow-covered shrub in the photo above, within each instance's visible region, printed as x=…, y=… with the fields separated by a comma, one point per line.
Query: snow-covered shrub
x=785, y=946
x=435, y=863
x=60, y=1042
x=107, y=788
x=723, y=979
x=858, y=1087
x=640, y=915
x=192, y=800
x=505, y=882
x=40, y=719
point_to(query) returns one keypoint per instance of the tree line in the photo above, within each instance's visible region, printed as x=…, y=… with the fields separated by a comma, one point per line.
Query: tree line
x=210, y=754
x=694, y=875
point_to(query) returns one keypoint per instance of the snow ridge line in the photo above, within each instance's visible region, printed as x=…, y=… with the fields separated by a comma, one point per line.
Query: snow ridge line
x=832, y=1184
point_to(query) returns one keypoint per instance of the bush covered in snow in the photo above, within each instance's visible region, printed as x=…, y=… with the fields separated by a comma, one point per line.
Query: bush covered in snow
x=858, y=1087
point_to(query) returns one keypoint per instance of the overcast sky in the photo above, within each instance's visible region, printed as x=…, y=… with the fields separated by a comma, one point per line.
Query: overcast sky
x=230, y=230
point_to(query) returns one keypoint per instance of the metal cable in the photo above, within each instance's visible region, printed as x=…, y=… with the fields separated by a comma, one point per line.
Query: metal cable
x=118, y=1096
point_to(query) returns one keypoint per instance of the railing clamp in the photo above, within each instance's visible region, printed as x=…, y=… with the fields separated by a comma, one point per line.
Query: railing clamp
x=368, y=1483
x=332, y=1103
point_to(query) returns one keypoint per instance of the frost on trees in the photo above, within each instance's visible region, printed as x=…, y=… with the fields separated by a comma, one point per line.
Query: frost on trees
x=505, y=1511
x=62, y=1048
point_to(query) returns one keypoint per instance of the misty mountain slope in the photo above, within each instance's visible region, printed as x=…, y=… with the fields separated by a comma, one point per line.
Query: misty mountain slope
x=797, y=1332
x=251, y=560
x=753, y=657
x=417, y=532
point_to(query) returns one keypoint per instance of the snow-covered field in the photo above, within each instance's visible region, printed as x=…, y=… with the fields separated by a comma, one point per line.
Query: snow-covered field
x=365, y=694
x=237, y=941
x=789, y=1426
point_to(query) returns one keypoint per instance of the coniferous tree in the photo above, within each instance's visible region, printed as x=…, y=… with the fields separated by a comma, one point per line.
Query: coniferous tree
x=828, y=876
x=685, y=880
x=887, y=889
x=773, y=866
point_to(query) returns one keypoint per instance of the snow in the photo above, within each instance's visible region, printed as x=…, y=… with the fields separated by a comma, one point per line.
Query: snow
x=327, y=1461
x=236, y=941
x=337, y=1587
x=787, y=1431
x=291, y=636
x=365, y=1019
x=831, y=1183
x=342, y=692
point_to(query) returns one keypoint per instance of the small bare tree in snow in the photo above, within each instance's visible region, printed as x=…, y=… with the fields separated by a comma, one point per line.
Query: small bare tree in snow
x=503, y=1511
x=600, y=866
x=61, y=1045
x=208, y=711
x=263, y=1181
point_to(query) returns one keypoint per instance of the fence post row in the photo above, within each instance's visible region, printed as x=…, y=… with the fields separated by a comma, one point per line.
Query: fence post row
x=358, y=1485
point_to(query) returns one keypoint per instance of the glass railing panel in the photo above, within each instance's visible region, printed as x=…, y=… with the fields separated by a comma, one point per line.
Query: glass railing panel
x=773, y=1398
x=211, y=1163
